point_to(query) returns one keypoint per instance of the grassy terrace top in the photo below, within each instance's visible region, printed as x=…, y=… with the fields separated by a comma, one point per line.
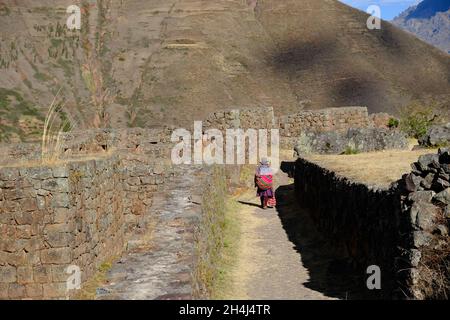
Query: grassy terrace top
x=375, y=168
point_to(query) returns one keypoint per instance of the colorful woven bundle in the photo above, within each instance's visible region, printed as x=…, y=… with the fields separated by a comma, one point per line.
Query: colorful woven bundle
x=264, y=182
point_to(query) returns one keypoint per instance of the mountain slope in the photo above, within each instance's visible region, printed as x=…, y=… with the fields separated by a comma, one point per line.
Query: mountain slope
x=147, y=63
x=430, y=21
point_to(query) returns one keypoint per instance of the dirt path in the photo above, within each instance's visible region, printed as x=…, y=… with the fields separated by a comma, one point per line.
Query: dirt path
x=280, y=255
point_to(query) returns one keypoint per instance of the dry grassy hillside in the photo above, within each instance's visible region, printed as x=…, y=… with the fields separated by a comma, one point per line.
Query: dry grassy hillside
x=147, y=63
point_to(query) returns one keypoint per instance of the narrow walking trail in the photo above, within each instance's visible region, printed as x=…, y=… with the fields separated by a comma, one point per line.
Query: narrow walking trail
x=268, y=265
x=162, y=271
x=281, y=255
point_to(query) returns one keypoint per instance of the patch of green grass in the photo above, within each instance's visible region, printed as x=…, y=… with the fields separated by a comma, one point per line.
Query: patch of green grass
x=350, y=150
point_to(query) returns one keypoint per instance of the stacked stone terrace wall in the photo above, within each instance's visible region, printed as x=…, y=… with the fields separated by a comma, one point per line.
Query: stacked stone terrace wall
x=77, y=211
x=254, y=118
x=325, y=120
x=153, y=143
x=360, y=221
x=81, y=213
x=53, y=217
x=402, y=229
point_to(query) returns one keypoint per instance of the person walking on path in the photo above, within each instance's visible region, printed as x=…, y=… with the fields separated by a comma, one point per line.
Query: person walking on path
x=264, y=182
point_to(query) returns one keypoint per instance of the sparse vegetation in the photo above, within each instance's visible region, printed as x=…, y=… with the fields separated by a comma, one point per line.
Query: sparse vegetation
x=89, y=289
x=350, y=150
x=18, y=117
x=393, y=123
x=56, y=123
x=210, y=237
x=415, y=119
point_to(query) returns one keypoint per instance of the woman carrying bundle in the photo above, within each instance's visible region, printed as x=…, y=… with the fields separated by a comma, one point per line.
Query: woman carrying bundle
x=264, y=183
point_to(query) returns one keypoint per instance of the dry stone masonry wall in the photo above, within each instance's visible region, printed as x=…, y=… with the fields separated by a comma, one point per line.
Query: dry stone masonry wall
x=79, y=214
x=402, y=229
x=425, y=256
x=360, y=221
x=332, y=119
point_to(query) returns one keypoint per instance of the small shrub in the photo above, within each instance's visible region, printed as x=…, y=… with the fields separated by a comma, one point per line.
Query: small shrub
x=393, y=123
x=416, y=119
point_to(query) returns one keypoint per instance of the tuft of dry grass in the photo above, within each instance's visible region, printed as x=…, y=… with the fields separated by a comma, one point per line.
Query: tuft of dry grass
x=56, y=123
x=89, y=288
x=378, y=168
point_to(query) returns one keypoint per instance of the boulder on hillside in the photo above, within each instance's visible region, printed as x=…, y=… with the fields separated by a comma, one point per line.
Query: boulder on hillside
x=437, y=135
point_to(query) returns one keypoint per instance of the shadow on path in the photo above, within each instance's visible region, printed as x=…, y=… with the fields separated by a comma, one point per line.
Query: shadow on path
x=249, y=204
x=328, y=272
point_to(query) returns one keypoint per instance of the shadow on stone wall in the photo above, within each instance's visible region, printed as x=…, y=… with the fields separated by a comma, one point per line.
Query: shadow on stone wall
x=329, y=272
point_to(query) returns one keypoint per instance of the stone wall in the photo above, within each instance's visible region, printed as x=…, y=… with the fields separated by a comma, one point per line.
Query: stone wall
x=324, y=131
x=324, y=120
x=360, y=221
x=425, y=256
x=53, y=217
x=352, y=140
x=151, y=143
x=254, y=118
x=156, y=144
x=391, y=228
x=80, y=213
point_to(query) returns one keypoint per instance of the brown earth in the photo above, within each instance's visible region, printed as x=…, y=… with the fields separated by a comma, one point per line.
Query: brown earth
x=173, y=61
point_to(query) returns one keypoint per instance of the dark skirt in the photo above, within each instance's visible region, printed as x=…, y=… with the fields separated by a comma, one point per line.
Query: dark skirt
x=264, y=193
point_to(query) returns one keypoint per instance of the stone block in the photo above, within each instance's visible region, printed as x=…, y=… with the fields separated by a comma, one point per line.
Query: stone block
x=9, y=174
x=62, y=215
x=56, y=184
x=34, y=290
x=60, y=200
x=25, y=275
x=28, y=204
x=59, y=273
x=54, y=290
x=8, y=274
x=60, y=172
x=23, y=232
x=16, y=291
x=59, y=239
x=4, y=291
x=39, y=173
x=443, y=196
x=23, y=218
x=42, y=274
x=56, y=256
